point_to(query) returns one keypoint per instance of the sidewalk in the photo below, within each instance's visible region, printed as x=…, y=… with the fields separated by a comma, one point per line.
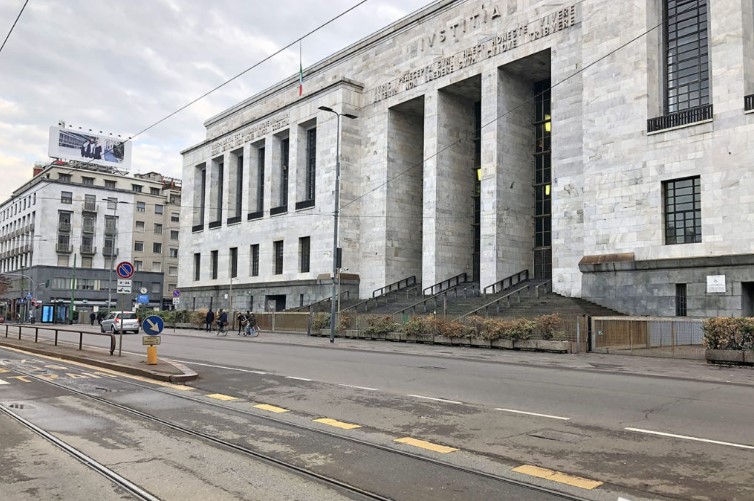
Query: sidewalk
x=164, y=370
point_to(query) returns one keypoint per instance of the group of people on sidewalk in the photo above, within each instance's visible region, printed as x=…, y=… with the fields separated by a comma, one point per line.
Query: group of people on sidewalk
x=247, y=322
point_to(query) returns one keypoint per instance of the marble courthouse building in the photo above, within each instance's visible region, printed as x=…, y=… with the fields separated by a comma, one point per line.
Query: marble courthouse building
x=606, y=146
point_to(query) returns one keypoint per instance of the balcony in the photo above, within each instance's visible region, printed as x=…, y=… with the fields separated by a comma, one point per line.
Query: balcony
x=64, y=248
x=64, y=227
x=88, y=250
x=109, y=252
x=681, y=118
x=111, y=230
x=90, y=206
x=88, y=228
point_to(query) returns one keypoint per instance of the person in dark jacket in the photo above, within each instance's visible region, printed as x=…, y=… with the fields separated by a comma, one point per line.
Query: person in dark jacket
x=210, y=318
x=92, y=317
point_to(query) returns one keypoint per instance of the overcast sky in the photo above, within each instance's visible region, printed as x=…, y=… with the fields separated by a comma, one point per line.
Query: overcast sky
x=118, y=66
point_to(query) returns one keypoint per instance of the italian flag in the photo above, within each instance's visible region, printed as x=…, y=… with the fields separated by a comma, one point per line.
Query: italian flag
x=300, y=79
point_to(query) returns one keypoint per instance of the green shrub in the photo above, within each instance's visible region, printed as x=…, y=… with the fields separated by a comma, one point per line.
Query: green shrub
x=418, y=326
x=519, y=329
x=726, y=333
x=321, y=320
x=549, y=325
x=380, y=325
x=345, y=320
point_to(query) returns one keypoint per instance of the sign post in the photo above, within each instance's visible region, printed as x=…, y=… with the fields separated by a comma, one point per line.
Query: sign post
x=125, y=271
x=153, y=326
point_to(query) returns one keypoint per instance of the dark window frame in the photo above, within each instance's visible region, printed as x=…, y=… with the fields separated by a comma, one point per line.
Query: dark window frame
x=682, y=205
x=304, y=251
x=278, y=253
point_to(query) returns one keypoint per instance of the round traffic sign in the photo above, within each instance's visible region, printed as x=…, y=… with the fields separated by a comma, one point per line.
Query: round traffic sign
x=176, y=293
x=153, y=325
x=124, y=269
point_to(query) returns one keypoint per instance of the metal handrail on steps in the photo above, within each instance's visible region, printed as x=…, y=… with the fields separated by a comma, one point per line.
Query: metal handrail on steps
x=395, y=286
x=410, y=290
x=434, y=297
x=500, y=285
x=445, y=284
x=541, y=288
x=327, y=300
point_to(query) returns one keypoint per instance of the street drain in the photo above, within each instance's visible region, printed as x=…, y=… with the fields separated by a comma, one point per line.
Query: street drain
x=560, y=436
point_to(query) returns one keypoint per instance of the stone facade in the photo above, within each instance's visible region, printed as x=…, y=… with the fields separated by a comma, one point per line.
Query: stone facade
x=421, y=88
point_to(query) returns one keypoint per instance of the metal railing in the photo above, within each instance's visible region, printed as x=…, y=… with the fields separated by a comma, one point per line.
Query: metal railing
x=64, y=248
x=311, y=306
x=110, y=251
x=532, y=290
x=435, y=297
x=684, y=117
x=57, y=332
x=445, y=284
x=511, y=281
x=395, y=286
x=675, y=337
x=88, y=249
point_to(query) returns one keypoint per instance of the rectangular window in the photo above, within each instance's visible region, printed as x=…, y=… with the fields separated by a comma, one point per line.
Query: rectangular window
x=173, y=252
x=233, y=262
x=173, y=271
x=683, y=211
x=64, y=178
x=686, y=55
x=158, y=209
x=154, y=191
x=284, y=159
x=112, y=203
x=260, y=180
x=90, y=202
x=141, y=207
x=680, y=300
x=175, y=217
x=87, y=181
x=213, y=264
x=156, y=266
x=140, y=226
x=278, y=256
x=254, y=260
x=157, y=248
x=173, y=234
x=311, y=162
x=156, y=288
x=136, y=188
x=66, y=197
x=197, y=266
x=138, y=265
x=157, y=229
x=138, y=246
x=303, y=253
x=109, y=184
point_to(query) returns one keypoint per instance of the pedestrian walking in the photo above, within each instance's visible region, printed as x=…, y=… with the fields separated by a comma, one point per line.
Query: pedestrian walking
x=208, y=321
x=242, y=319
x=222, y=322
x=92, y=317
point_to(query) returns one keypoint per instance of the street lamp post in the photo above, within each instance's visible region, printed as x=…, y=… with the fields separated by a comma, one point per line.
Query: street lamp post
x=335, y=217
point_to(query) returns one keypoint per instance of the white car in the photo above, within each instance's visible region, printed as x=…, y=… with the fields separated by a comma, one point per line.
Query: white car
x=112, y=323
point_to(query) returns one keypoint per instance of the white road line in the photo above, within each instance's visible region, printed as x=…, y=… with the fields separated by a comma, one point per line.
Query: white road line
x=4, y=382
x=222, y=367
x=358, y=387
x=297, y=378
x=533, y=414
x=437, y=399
x=695, y=439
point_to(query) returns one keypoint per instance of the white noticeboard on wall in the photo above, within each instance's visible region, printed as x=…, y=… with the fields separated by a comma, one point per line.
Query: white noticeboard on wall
x=715, y=283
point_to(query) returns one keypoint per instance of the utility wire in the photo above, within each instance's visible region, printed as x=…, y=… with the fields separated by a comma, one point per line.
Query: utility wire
x=14, y=25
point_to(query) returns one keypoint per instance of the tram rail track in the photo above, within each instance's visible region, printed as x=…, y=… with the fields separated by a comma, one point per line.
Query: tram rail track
x=269, y=459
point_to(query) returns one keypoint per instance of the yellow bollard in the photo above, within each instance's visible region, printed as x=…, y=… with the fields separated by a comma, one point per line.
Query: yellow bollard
x=151, y=355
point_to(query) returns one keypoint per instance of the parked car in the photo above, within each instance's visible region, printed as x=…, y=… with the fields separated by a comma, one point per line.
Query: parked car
x=112, y=322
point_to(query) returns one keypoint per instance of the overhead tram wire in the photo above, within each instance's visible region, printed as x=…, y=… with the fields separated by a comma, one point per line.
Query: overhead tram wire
x=255, y=65
x=14, y=25
x=526, y=101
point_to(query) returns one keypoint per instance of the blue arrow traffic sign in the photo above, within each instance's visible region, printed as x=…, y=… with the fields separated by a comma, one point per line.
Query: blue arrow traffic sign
x=153, y=325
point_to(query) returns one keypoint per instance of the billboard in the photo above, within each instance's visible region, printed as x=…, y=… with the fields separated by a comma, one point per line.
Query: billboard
x=108, y=151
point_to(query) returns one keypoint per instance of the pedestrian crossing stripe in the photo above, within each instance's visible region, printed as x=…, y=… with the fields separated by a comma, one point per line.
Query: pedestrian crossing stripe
x=4, y=382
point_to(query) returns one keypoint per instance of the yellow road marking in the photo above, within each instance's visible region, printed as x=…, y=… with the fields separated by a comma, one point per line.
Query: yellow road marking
x=556, y=476
x=220, y=396
x=108, y=372
x=337, y=424
x=442, y=449
x=271, y=408
x=4, y=370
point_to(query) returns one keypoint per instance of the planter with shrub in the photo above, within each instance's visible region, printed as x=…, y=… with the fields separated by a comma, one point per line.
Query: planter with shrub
x=729, y=340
